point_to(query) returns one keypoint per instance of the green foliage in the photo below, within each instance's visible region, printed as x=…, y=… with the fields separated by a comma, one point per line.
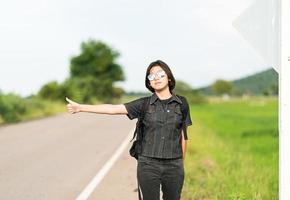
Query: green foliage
x=182, y=87
x=14, y=108
x=94, y=72
x=11, y=107
x=186, y=90
x=272, y=90
x=97, y=60
x=222, y=87
x=52, y=91
x=233, y=151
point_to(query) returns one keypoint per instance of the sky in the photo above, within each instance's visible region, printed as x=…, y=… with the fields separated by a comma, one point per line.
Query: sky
x=194, y=37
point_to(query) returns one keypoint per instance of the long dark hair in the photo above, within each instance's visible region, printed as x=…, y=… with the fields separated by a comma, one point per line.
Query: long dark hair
x=165, y=67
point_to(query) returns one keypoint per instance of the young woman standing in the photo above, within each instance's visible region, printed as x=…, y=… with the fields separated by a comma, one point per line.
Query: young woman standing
x=164, y=143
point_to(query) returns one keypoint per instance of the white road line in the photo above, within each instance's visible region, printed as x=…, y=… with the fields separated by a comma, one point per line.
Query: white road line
x=105, y=169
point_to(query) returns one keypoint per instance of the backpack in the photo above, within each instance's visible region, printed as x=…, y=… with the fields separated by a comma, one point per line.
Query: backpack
x=135, y=149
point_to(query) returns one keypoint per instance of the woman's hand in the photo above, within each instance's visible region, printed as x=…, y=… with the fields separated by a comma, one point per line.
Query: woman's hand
x=72, y=106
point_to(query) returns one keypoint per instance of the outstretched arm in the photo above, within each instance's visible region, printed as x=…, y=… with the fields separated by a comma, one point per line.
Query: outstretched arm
x=111, y=109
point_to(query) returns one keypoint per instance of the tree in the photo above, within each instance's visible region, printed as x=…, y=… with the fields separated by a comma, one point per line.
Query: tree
x=184, y=89
x=51, y=91
x=12, y=107
x=221, y=87
x=95, y=70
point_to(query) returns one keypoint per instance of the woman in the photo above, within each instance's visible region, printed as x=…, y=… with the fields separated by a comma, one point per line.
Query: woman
x=164, y=143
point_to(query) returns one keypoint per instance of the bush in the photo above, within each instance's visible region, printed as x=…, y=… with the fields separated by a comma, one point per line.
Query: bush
x=11, y=107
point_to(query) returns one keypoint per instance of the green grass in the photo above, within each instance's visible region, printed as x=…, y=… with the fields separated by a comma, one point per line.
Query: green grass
x=232, y=151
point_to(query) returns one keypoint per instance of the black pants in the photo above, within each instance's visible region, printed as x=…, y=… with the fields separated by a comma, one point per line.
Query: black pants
x=153, y=172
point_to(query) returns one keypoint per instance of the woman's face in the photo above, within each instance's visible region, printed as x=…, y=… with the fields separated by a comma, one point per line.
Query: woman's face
x=159, y=83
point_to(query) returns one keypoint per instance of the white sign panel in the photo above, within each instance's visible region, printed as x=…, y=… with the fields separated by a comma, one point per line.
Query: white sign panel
x=259, y=25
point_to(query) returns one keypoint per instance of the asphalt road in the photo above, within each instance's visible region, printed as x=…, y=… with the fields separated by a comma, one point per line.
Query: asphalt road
x=56, y=157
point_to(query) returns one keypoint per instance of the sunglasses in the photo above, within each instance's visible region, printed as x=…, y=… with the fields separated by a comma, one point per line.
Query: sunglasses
x=159, y=74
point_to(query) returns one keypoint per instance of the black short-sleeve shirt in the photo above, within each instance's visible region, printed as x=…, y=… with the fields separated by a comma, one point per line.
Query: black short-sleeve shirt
x=162, y=125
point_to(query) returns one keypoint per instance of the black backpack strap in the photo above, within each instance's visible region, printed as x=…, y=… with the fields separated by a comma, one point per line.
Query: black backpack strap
x=142, y=114
x=184, y=115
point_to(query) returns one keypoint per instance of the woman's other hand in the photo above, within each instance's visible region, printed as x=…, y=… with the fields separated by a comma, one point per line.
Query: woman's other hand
x=73, y=107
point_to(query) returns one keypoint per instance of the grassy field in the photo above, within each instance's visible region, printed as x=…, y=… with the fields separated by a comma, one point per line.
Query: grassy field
x=232, y=151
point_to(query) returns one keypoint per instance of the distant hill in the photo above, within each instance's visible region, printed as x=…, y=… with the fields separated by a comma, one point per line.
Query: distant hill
x=257, y=84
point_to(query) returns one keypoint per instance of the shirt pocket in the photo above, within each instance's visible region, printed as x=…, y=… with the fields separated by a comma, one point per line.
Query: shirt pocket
x=178, y=116
x=150, y=116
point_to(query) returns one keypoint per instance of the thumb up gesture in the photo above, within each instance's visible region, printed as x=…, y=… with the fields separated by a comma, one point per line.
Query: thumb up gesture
x=72, y=106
